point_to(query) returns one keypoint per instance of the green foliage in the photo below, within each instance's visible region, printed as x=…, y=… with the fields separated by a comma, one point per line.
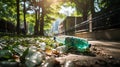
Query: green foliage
x=5, y=54
x=8, y=10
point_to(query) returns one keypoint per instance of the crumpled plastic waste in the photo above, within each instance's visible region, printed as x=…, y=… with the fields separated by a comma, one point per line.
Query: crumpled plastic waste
x=42, y=45
x=33, y=57
x=19, y=49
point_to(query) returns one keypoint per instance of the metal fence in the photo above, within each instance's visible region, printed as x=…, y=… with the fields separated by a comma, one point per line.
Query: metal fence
x=108, y=20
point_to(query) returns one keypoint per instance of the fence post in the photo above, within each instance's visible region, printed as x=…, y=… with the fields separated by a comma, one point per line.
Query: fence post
x=75, y=23
x=90, y=23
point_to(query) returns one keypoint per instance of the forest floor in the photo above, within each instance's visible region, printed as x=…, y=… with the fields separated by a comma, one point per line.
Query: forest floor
x=45, y=52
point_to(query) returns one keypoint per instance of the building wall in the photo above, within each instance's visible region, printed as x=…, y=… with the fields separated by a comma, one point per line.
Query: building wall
x=68, y=23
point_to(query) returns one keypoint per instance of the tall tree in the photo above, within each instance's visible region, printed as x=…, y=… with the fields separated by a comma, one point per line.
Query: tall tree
x=45, y=6
x=24, y=11
x=18, y=19
x=42, y=19
x=34, y=4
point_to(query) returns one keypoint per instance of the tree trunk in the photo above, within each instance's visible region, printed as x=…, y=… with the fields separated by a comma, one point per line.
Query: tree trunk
x=36, y=24
x=25, y=26
x=18, y=19
x=42, y=21
x=42, y=25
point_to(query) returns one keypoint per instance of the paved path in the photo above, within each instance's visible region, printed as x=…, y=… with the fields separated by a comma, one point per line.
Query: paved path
x=106, y=54
x=111, y=48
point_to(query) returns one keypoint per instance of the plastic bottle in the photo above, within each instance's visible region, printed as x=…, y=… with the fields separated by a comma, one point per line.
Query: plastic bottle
x=70, y=41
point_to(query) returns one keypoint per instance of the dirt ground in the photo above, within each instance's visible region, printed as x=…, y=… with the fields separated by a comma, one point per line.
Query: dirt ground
x=102, y=54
